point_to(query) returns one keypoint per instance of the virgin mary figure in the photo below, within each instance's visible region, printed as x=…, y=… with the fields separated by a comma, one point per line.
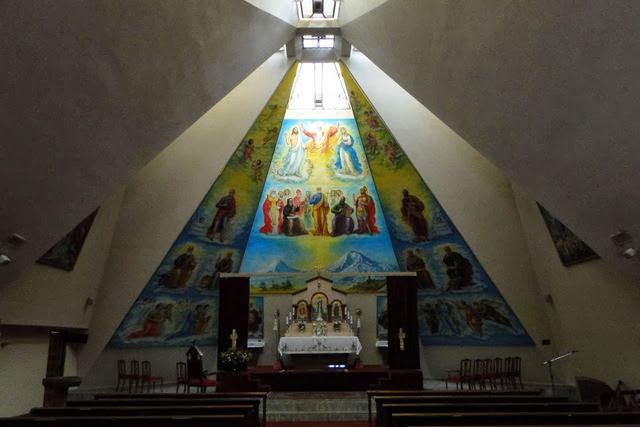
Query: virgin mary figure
x=347, y=162
x=294, y=160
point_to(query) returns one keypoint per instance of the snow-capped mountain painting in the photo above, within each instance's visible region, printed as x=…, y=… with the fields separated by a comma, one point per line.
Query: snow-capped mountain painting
x=356, y=262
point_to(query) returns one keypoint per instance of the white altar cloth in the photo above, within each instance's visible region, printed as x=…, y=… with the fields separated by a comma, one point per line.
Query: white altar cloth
x=319, y=345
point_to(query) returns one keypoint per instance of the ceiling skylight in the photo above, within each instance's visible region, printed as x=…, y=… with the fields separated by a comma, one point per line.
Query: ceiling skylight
x=318, y=9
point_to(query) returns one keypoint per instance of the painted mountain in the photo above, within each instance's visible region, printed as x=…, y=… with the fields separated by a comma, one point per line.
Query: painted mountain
x=356, y=262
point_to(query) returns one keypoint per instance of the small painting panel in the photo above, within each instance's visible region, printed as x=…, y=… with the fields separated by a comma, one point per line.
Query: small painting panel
x=256, y=318
x=382, y=318
x=570, y=248
x=65, y=253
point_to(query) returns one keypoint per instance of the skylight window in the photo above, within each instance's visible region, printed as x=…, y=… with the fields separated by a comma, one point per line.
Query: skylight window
x=319, y=86
x=313, y=42
x=318, y=9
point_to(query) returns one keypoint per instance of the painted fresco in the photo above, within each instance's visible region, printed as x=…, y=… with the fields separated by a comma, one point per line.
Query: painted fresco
x=426, y=241
x=212, y=242
x=570, y=248
x=256, y=318
x=320, y=207
x=287, y=284
x=382, y=318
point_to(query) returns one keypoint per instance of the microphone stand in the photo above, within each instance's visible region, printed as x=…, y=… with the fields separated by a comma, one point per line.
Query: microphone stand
x=550, y=363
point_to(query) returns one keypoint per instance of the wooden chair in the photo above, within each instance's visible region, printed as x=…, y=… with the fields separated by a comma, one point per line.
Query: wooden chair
x=123, y=377
x=134, y=375
x=462, y=375
x=181, y=376
x=202, y=383
x=516, y=372
x=497, y=374
x=505, y=375
x=149, y=379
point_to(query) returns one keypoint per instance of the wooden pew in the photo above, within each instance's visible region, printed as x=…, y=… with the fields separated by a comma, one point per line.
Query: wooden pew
x=515, y=419
x=191, y=396
x=127, y=421
x=372, y=394
x=249, y=410
x=388, y=409
x=464, y=398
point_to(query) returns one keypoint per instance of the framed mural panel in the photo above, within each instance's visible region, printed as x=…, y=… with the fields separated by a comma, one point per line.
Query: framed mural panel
x=570, y=248
x=65, y=253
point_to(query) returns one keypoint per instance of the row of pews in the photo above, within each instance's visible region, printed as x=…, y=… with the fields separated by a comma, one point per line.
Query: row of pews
x=228, y=409
x=405, y=408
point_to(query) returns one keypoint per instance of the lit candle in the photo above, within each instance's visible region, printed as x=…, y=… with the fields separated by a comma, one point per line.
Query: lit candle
x=358, y=323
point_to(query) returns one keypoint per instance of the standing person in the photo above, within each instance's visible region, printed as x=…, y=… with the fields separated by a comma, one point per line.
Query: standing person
x=347, y=162
x=412, y=209
x=320, y=210
x=226, y=210
x=294, y=160
x=365, y=213
x=269, y=212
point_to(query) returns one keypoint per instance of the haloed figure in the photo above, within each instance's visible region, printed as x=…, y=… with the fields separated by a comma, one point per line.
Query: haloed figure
x=226, y=210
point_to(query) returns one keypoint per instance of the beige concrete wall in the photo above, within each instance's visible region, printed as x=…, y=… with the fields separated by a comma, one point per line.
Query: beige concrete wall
x=53, y=297
x=162, y=197
x=23, y=364
x=479, y=201
x=94, y=90
x=594, y=309
x=545, y=89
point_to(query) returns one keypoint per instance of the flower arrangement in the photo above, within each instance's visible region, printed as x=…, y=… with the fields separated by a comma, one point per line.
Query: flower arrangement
x=320, y=328
x=234, y=360
x=301, y=326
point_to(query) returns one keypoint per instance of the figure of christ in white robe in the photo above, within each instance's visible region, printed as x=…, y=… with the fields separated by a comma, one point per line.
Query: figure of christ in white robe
x=294, y=160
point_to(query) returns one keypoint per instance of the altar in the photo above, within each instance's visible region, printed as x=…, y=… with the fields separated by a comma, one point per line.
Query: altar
x=313, y=351
x=320, y=329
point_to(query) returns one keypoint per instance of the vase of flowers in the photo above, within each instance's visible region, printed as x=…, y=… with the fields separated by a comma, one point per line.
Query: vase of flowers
x=234, y=360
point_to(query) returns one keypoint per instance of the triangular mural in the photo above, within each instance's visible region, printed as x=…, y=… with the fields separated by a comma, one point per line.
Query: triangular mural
x=458, y=304
x=320, y=189
x=180, y=301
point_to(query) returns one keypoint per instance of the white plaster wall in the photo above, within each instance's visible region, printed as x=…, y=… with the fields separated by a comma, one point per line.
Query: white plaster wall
x=52, y=297
x=162, y=197
x=479, y=201
x=594, y=309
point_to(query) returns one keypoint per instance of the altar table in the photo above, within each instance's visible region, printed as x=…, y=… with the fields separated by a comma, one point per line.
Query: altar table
x=339, y=346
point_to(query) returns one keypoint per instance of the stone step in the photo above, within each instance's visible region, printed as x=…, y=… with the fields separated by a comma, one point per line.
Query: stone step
x=276, y=416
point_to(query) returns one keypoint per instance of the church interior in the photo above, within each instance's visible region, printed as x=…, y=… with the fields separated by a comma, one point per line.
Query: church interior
x=307, y=199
